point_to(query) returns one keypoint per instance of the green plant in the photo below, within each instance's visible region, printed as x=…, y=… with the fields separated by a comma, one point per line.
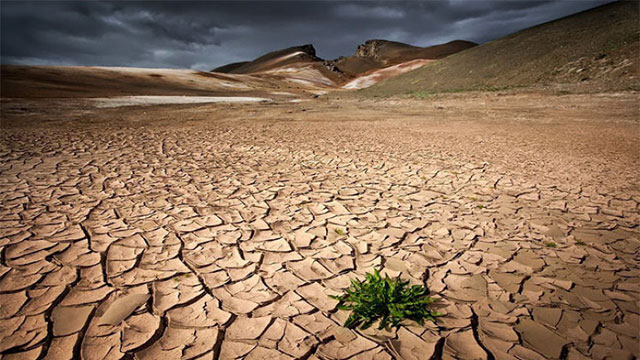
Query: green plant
x=339, y=231
x=389, y=301
x=550, y=244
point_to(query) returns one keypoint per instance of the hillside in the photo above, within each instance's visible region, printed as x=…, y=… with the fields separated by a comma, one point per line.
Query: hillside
x=378, y=54
x=18, y=81
x=229, y=67
x=274, y=59
x=371, y=56
x=298, y=64
x=597, y=49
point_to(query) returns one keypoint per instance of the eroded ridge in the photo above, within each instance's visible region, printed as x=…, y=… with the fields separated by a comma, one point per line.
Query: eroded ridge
x=225, y=241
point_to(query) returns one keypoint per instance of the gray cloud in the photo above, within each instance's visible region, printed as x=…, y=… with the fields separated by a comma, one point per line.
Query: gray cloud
x=185, y=34
x=368, y=12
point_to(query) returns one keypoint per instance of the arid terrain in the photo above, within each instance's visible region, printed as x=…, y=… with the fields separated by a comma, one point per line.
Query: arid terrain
x=185, y=214
x=224, y=227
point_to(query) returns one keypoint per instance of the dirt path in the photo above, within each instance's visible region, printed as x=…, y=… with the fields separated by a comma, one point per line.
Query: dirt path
x=520, y=211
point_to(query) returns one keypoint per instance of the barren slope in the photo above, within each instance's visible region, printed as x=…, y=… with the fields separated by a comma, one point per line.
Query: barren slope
x=90, y=81
x=272, y=60
x=377, y=54
x=297, y=64
x=373, y=55
x=597, y=49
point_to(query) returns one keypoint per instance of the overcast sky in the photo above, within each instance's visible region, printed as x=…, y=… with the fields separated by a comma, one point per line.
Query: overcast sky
x=203, y=35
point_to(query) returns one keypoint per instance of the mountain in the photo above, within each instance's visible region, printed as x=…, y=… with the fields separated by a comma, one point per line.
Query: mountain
x=378, y=54
x=371, y=56
x=230, y=67
x=296, y=69
x=272, y=60
x=297, y=64
x=595, y=49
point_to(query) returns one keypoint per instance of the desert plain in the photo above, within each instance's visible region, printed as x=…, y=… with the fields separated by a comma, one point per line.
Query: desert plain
x=189, y=214
x=225, y=226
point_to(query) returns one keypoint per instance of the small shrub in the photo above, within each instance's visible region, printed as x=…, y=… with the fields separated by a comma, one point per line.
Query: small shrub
x=550, y=244
x=580, y=242
x=339, y=231
x=389, y=301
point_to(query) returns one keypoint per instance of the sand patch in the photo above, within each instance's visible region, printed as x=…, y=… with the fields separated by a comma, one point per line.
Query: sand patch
x=163, y=100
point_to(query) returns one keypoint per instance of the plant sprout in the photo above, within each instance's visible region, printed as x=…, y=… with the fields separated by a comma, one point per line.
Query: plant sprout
x=389, y=301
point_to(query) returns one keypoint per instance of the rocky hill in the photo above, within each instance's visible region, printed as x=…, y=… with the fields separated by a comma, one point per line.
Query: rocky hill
x=272, y=60
x=378, y=54
x=594, y=50
x=370, y=56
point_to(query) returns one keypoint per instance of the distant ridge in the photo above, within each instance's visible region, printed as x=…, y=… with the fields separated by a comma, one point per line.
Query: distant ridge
x=372, y=55
x=378, y=54
x=230, y=67
x=597, y=49
x=274, y=59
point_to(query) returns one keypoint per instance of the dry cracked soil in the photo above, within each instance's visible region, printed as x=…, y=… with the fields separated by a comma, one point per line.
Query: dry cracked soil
x=217, y=231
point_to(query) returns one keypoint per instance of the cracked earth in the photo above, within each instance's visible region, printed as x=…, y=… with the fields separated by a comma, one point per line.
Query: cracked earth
x=218, y=231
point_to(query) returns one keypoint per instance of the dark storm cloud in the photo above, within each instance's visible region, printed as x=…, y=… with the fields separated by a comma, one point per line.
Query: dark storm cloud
x=203, y=35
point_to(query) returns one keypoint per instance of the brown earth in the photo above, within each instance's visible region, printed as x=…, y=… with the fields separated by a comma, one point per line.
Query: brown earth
x=217, y=231
x=18, y=81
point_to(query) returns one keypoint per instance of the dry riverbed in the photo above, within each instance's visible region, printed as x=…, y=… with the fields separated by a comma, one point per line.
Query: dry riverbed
x=219, y=230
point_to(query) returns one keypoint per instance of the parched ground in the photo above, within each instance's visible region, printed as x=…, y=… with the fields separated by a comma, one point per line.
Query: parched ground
x=219, y=230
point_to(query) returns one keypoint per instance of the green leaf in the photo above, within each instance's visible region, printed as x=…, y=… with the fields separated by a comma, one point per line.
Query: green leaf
x=387, y=300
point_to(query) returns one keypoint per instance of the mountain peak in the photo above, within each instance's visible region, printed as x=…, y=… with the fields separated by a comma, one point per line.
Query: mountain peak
x=374, y=47
x=307, y=49
x=371, y=55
